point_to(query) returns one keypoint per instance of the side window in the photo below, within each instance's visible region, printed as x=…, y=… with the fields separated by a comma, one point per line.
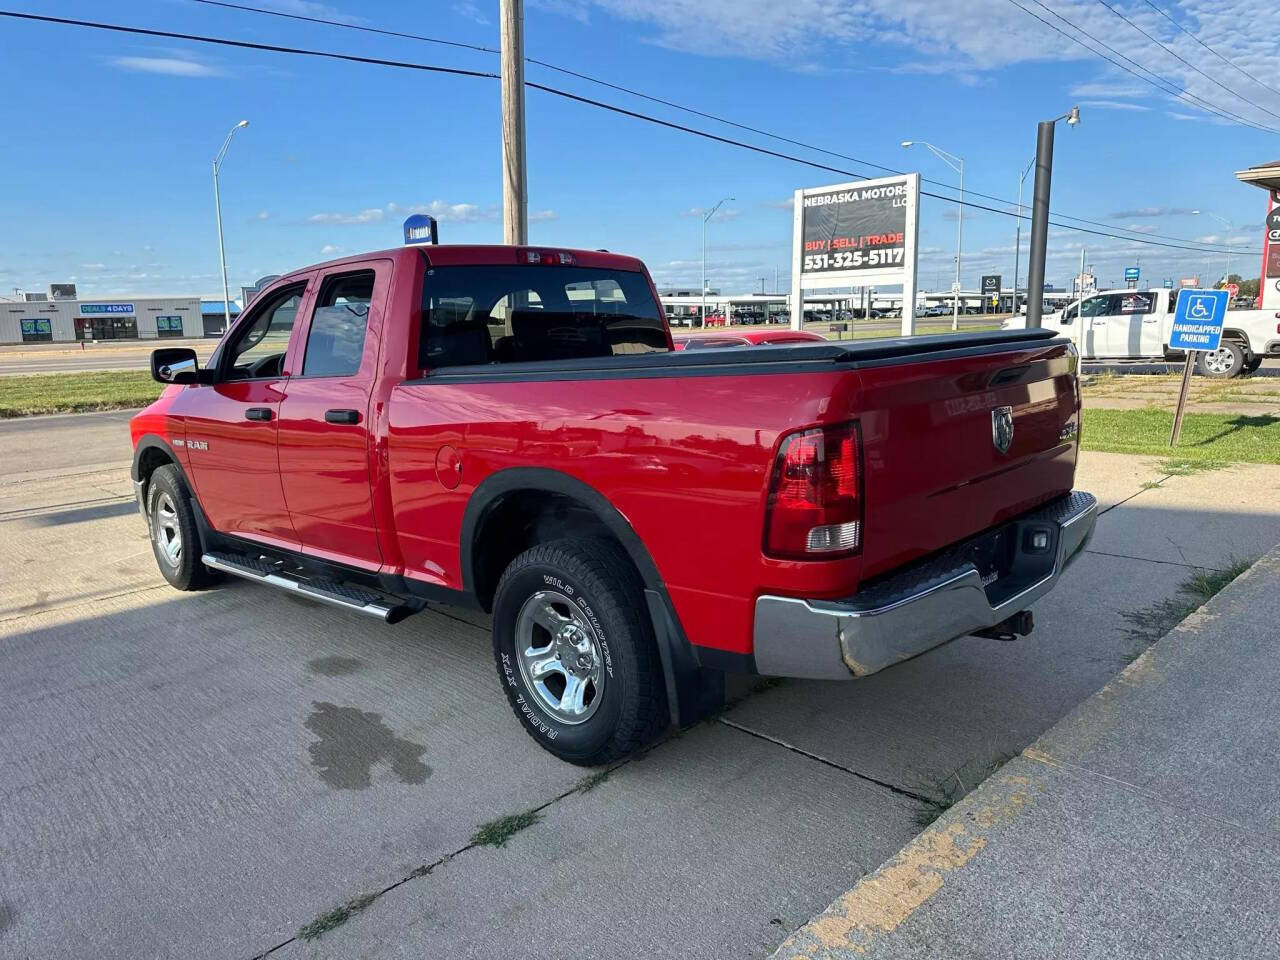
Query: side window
x=1095, y=307
x=259, y=350
x=521, y=313
x=1131, y=303
x=335, y=342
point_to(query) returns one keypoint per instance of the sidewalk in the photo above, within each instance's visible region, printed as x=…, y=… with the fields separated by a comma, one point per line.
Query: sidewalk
x=1146, y=823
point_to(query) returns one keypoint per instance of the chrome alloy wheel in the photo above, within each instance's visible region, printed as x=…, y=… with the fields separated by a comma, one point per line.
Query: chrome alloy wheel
x=560, y=657
x=165, y=529
x=1221, y=360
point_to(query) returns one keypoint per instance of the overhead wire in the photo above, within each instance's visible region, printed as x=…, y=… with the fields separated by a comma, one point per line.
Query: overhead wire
x=631, y=91
x=564, y=94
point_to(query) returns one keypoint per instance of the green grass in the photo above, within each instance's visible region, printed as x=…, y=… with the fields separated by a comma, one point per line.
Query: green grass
x=922, y=330
x=1151, y=623
x=496, y=833
x=1207, y=438
x=940, y=794
x=336, y=917
x=27, y=395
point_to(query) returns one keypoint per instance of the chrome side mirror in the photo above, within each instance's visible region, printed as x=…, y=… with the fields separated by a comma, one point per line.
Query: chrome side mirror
x=175, y=365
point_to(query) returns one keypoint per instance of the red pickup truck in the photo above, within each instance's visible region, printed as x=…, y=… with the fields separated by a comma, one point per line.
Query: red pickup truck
x=509, y=428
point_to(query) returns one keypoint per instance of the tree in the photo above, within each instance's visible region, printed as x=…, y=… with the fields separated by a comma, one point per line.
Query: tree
x=1249, y=288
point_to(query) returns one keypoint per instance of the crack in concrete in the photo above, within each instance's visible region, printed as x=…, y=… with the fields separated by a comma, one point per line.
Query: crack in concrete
x=891, y=787
x=1171, y=563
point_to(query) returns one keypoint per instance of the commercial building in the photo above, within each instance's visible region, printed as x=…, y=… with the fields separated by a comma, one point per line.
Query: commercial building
x=59, y=318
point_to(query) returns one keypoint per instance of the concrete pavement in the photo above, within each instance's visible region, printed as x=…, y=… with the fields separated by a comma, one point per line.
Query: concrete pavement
x=1144, y=824
x=204, y=774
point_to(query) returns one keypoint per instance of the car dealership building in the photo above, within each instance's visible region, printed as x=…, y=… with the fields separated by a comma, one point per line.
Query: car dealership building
x=41, y=318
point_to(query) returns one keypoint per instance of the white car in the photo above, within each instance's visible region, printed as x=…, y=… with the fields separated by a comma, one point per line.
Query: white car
x=1134, y=325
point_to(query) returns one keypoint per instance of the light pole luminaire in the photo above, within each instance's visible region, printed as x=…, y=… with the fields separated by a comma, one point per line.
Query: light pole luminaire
x=956, y=164
x=217, y=206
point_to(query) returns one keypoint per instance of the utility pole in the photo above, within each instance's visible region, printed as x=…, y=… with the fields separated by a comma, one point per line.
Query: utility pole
x=515, y=184
x=1040, y=215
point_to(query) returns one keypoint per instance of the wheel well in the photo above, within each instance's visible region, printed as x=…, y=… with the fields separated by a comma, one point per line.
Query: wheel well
x=517, y=521
x=150, y=460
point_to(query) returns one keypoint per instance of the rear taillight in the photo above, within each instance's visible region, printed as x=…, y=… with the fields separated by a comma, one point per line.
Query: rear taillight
x=815, y=495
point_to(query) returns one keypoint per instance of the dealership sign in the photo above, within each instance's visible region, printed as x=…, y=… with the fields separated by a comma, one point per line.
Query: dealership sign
x=106, y=308
x=859, y=234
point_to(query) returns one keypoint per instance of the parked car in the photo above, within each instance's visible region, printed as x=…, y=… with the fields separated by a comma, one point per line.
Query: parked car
x=748, y=338
x=509, y=428
x=1135, y=324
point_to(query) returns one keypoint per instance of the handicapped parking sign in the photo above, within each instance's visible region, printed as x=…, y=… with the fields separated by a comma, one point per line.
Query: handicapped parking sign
x=1198, y=320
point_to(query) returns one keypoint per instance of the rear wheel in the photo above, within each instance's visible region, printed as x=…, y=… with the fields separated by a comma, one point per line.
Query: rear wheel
x=1251, y=366
x=575, y=651
x=1225, y=362
x=175, y=539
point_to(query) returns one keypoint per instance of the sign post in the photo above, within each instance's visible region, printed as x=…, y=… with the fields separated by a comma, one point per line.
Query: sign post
x=860, y=234
x=1197, y=325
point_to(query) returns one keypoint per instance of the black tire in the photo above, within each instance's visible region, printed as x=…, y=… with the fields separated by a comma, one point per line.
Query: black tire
x=1252, y=366
x=600, y=601
x=170, y=517
x=1222, y=364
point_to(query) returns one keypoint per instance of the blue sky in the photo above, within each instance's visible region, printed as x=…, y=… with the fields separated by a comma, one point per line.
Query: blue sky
x=108, y=138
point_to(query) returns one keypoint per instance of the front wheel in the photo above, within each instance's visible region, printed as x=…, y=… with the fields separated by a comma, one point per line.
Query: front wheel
x=171, y=522
x=575, y=651
x=1221, y=364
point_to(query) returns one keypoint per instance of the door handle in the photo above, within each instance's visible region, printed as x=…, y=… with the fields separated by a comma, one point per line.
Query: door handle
x=258, y=413
x=342, y=416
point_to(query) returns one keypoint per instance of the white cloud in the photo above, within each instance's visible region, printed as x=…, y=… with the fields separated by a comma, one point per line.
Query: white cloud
x=1142, y=228
x=442, y=211
x=470, y=10
x=1151, y=212
x=329, y=248
x=724, y=213
x=370, y=215
x=542, y=216
x=169, y=66
x=1112, y=105
x=970, y=39
x=262, y=215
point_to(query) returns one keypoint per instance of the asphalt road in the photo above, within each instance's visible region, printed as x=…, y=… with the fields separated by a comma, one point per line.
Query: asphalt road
x=202, y=774
x=67, y=357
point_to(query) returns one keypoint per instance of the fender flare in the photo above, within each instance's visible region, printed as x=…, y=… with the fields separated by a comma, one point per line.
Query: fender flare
x=692, y=691
x=150, y=441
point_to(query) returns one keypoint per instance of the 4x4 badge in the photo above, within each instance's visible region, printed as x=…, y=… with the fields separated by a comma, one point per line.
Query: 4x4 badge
x=1002, y=428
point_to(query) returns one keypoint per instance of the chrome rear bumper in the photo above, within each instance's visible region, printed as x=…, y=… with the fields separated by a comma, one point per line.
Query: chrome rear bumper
x=920, y=607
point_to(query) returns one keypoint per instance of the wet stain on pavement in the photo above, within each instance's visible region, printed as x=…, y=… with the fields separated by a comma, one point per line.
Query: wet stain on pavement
x=8, y=915
x=351, y=741
x=334, y=666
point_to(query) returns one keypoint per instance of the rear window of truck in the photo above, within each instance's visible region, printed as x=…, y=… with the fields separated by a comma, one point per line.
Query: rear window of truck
x=517, y=313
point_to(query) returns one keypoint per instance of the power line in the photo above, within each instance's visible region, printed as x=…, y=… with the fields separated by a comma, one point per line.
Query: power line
x=658, y=100
x=1188, y=63
x=1162, y=84
x=1230, y=63
x=565, y=94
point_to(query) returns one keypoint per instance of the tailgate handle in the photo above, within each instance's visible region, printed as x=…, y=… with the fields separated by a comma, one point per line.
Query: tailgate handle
x=342, y=416
x=258, y=413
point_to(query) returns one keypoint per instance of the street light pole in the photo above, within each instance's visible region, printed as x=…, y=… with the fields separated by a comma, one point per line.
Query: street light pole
x=1017, y=244
x=1040, y=215
x=1227, y=223
x=956, y=164
x=217, y=206
x=706, y=217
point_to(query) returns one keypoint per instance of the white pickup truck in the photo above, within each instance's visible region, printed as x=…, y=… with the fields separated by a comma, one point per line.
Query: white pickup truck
x=1134, y=325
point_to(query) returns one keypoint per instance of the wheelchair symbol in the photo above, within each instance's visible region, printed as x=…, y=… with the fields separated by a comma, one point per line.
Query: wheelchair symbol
x=1199, y=309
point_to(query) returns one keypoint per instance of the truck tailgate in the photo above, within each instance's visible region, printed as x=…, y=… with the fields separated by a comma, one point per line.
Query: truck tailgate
x=932, y=432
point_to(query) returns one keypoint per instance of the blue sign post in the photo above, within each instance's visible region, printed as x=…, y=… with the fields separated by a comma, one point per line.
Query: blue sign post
x=1197, y=325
